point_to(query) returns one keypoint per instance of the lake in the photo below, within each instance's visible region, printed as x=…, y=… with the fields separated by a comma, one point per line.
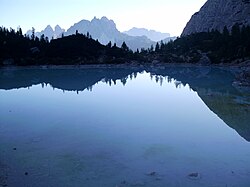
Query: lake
x=119, y=126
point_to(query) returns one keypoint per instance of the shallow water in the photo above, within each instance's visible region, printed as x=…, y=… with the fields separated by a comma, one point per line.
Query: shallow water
x=123, y=127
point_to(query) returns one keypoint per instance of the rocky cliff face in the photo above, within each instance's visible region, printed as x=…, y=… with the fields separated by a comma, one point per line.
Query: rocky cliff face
x=215, y=14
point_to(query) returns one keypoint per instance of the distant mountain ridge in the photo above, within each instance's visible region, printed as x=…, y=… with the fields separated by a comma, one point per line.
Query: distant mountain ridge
x=49, y=32
x=151, y=34
x=104, y=30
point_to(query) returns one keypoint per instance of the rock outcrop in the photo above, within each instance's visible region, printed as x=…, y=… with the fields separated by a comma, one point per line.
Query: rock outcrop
x=215, y=14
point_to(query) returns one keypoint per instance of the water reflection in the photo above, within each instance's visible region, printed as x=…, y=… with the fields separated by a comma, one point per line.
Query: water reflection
x=213, y=85
x=65, y=79
x=121, y=126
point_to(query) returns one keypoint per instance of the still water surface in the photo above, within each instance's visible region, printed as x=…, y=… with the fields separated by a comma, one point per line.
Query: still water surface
x=123, y=127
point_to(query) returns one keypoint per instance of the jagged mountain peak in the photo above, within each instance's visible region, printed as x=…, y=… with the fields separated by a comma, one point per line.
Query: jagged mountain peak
x=104, y=18
x=104, y=21
x=57, y=27
x=105, y=30
x=58, y=31
x=49, y=32
x=48, y=28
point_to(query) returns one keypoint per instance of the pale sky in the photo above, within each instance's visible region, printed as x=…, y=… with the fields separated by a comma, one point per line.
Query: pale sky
x=168, y=16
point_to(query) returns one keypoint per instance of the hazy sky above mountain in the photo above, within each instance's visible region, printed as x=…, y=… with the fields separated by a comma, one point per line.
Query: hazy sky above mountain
x=162, y=15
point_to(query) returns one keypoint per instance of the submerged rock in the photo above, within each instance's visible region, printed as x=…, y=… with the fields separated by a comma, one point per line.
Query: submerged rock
x=151, y=173
x=204, y=59
x=243, y=79
x=8, y=62
x=194, y=176
x=34, y=50
x=138, y=183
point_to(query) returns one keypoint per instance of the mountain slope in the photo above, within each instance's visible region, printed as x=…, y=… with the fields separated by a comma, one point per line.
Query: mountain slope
x=215, y=14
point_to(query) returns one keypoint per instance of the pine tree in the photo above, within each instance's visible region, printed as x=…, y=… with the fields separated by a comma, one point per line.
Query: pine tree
x=20, y=31
x=109, y=44
x=157, y=47
x=33, y=33
x=42, y=38
x=124, y=46
x=225, y=32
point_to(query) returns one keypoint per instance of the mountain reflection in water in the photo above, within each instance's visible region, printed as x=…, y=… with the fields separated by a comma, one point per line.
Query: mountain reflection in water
x=213, y=85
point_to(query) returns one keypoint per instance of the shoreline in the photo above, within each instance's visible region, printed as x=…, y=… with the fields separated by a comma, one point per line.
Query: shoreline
x=128, y=65
x=241, y=71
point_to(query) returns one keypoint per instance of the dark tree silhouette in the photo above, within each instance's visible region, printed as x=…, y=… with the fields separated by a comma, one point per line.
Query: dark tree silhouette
x=109, y=45
x=226, y=46
x=124, y=46
x=219, y=47
x=20, y=32
x=74, y=49
x=33, y=33
x=157, y=47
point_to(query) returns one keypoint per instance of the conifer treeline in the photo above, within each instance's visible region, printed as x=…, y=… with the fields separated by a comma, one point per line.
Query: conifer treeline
x=219, y=47
x=81, y=49
x=74, y=49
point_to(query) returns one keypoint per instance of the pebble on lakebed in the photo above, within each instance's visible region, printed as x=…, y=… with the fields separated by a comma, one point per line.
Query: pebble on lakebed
x=151, y=173
x=194, y=176
x=135, y=183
